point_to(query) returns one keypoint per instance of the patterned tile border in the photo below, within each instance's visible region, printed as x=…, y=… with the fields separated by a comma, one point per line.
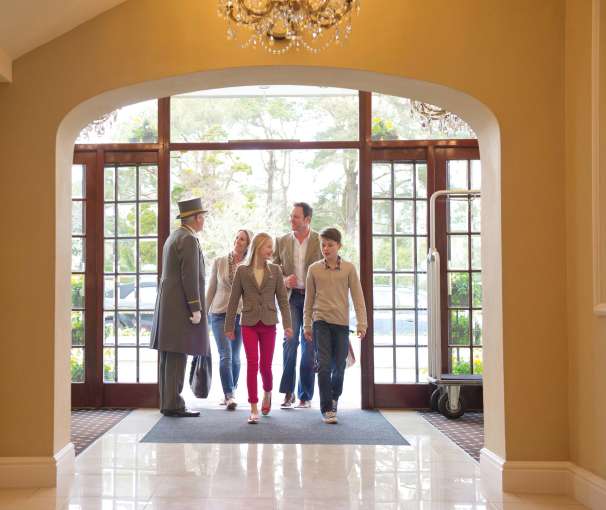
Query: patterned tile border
x=89, y=424
x=466, y=431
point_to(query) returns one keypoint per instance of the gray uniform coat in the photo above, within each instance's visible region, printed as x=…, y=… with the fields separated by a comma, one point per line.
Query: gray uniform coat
x=180, y=294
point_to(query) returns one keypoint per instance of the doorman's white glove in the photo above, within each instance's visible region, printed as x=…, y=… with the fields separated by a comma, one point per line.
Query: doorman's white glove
x=195, y=318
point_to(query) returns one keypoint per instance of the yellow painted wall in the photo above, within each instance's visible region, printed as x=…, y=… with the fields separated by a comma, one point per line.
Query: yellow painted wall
x=586, y=332
x=508, y=55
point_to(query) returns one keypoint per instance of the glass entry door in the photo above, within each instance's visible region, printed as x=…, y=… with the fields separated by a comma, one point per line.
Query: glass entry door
x=121, y=280
x=401, y=182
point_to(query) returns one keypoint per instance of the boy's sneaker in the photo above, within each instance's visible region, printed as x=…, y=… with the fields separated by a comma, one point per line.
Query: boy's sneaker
x=330, y=417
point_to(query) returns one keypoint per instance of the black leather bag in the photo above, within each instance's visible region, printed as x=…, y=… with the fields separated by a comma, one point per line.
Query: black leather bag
x=201, y=375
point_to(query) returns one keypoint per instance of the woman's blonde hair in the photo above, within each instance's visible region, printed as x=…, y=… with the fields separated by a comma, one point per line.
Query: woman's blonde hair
x=257, y=241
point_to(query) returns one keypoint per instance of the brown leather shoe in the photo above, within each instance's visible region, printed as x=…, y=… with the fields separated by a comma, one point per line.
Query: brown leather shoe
x=289, y=400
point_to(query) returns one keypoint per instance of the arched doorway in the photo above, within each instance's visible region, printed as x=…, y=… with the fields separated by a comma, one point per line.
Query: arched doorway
x=478, y=116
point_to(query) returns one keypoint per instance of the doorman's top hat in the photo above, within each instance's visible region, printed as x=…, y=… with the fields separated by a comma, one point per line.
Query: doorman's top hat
x=190, y=207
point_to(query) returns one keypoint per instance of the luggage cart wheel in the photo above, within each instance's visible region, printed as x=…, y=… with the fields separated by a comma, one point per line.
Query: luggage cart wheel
x=433, y=400
x=446, y=407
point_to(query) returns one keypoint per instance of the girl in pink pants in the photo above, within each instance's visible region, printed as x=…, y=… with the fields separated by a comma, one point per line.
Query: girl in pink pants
x=259, y=283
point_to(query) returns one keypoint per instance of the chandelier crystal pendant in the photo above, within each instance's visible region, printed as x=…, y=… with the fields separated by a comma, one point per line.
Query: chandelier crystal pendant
x=437, y=119
x=281, y=25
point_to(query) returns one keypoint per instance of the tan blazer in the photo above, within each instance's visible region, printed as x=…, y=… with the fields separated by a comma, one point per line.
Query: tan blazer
x=284, y=252
x=258, y=302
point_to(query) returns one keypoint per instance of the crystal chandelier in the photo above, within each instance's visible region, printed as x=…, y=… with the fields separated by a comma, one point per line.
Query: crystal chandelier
x=437, y=119
x=279, y=25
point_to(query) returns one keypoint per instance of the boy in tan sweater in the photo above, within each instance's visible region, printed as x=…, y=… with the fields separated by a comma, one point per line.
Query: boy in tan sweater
x=328, y=285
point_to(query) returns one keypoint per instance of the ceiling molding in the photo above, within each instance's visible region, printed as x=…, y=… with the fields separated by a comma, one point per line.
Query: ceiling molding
x=6, y=67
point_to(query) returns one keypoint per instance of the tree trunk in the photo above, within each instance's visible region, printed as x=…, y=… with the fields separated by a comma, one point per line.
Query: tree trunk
x=350, y=195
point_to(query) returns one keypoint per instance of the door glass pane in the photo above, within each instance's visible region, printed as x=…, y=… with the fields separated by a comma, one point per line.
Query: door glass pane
x=382, y=291
x=458, y=215
x=421, y=290
x=78, y=181
x=422, y=217
x=383, y=364
x=383, y=327
x=127, y=328
x=77, y=364
x=109, y=365
x=381, y=216
x=422, y=327
x=476, y=220
x=127, y=220
x=109, y=328
x=77, y=291
x=109, y=256
x=476, y=252
x=478, y=361
x=458, y=327
x=476, y=290
x=145, y=325
x=78, y=254
x=404, y=217
x=460, y=361
x=421, y=180
x=405, y=327
x=148, y=365
x=476, y=174
x=406, y=365
x=404, y=180
x=477, y=327
x=127, y=255
x=457, y=174
x=78, y=217
x=405, y=254
x=148, y=182
x=405, y=291
x=127, y=292
x=423, y=354
x=148, y=255
x=148, y=289
x=109, y=220
x=127, y=182
x=109, y=183
x=381, y=253
x=381, y=180
x=458, y=252
x=458, y=290
x=127, y=365
x=108, y=292
x=422, y=254
x=148, y=219
x=77, y=328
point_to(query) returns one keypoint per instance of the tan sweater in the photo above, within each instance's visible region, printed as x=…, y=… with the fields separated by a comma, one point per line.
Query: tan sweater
x=327, y=295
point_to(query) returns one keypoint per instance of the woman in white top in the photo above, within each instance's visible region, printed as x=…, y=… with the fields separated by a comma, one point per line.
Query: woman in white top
x=217, y=298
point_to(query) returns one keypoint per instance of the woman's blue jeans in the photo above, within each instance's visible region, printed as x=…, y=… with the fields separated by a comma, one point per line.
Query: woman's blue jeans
x=229, y=352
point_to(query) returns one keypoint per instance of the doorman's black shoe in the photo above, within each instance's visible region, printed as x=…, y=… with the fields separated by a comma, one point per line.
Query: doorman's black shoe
x=186, y=413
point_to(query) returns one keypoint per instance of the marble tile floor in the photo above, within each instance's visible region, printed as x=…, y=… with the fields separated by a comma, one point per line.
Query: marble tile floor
x=119, y=473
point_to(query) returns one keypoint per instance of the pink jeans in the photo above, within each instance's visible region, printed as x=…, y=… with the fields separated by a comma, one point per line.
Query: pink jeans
x=259, y=338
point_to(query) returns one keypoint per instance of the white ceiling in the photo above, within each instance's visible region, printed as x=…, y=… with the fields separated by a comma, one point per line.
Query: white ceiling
x=27, y=24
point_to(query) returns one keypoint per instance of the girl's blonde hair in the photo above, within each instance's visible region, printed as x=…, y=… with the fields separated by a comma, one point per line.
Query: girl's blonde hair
x=257, y=241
